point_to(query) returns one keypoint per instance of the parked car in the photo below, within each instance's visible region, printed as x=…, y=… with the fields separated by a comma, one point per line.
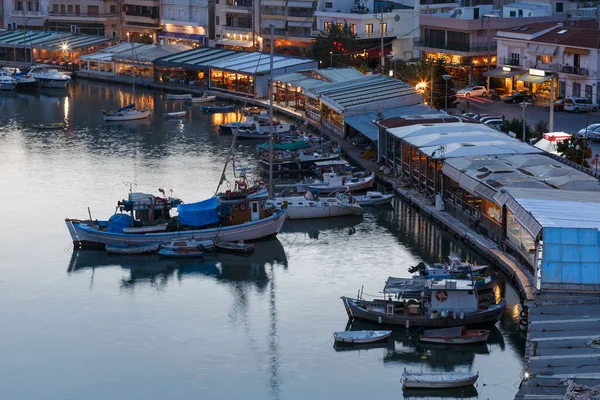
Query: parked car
x=594, y=135
x=579, y=104
x=484, y=120
x=479, y=117
x=472, y=91
x=517, y=97
x=559, y=105
x=584, y=133
x=495, y=123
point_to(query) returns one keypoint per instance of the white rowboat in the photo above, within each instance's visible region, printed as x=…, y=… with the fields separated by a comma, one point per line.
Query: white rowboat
x=374, y=199
x=456, y=335
x=176, y=114
x=179, y=96
x=357, y=337
x=203, y=99
x=438, y=380
x=126, y=115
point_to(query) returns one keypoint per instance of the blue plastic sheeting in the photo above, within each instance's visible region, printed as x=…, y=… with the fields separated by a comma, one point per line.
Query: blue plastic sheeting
x=197, y=214
x=117, y=222
x=571, y=255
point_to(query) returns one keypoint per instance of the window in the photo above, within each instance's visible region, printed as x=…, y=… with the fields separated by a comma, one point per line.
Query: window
x=559, y=7
x=514, y=59
x=19, y=6
x=340, y=26
x=481, y=32
x=70, y=9
x=217, y=20
x=29, y=6
x=353, y=28
x=476, y=13
x=113, y=9
x=326, y=26
x=93, y=10
x=384, y=27
x=544, y=59
x=576, y=89
x=520, y=13
x=254, y=207
x=37, y=6
x=369, y=28
x=55, y=8
x=588, y=92
x=328, y=4
x=77, y=9
x=512, y=14
x=62, y=9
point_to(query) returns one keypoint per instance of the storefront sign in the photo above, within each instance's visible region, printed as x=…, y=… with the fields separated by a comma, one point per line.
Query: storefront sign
x=537, y=72
x=506, y=69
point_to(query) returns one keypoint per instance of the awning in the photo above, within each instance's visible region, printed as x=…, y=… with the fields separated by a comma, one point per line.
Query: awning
x=541, y=49
x=272, y=3
x=300, y=4
x=235, y=43
x=300, y=24
x=277, y=23
x=534, y=78
x=363, y=123
x=574, y=50
x=182, y=36
x=499, y=73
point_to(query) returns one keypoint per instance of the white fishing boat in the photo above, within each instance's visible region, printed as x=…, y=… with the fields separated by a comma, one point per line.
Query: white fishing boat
x=202, y=99
x=48, y=77
x=146, y=229
x=455, y=335
x=360, y=337
x=260, y=128
x=132, y=249
x=7, y=82
x=374, y=199
x=129, y=112
x=175, y=115
x=332, y=182
x=178, y=96
x=311, y=206
x=251, y=115
x=438, y=380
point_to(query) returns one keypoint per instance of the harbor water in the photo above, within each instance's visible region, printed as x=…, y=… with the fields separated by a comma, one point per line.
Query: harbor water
x=88, y=325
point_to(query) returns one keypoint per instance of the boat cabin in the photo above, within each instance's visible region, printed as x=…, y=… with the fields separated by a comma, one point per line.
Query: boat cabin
x=245, y=211
x=455, y=295
x=146, y=208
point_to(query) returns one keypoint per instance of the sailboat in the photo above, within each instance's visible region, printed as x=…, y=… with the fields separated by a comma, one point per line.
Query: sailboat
x=129, y=112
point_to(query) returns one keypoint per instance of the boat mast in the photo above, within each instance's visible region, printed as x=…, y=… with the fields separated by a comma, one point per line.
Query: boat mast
x=133, y=63
x=271, y=115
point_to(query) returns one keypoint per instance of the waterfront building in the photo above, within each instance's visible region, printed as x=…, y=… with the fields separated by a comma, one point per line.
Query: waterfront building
x=94, y=17
x=237, y=25
x=230, y=71
x=185, y=21
x=141, y=21
x=535, y=54
x=120, y=60
x=24, y=14
x=62, y=49
x=293, y=25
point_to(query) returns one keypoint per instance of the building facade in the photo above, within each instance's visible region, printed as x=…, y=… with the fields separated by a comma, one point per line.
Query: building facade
x=184, y=20
x=141, y=20
x=93, y=17
x=237, y=24
x=19, y=14
x=293, y=25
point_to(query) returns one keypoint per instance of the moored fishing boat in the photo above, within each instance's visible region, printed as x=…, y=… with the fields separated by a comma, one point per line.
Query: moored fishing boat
x=332, y=182
x=297, y=160
x=438, y=380
x=455, y=335
x=374, y=199
x=311, y=206
x=360, y=337
x=7, y=82
x=428, y=303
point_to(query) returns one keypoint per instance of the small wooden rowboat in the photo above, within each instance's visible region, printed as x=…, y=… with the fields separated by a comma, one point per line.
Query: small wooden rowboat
x=374, y=198
x=351, y=337
x=438, y=380
x=131, y=249
x=202, y=99
x=234, y=247
x=176, y=114
x=178, y=96
x=455, y=335
x=146, y=229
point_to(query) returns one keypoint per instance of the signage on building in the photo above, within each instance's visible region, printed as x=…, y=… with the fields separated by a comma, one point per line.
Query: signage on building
x=537, y=72
x=506, y=69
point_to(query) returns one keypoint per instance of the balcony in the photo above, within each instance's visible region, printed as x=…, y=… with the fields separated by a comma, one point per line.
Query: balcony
x=453, y=46
x=515, y=62
x=300, y=13
x=235, y=7
x=80, y=17
x=571, y=70
x=375, y=34
x=550, y=67
x=26, y=14
x=236, y=29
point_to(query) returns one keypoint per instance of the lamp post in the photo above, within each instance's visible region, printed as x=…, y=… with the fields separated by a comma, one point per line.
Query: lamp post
x=446, y=78
x=523, y=107
x=393, y=57
x=331, y=59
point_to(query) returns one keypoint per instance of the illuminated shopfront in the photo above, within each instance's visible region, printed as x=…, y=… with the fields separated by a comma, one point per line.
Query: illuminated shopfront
x=232, y=82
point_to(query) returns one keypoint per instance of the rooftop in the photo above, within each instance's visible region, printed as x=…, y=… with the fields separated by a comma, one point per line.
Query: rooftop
x=149, y=52
x=527, y=5
x=50, y=40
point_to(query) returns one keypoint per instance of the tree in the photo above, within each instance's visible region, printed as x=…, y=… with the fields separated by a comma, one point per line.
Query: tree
x=439, y=86
x=515, y=125
x=336, y=41
x=575, y=150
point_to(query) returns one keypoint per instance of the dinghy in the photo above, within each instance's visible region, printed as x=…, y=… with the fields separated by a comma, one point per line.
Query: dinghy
x=455, y=335
x=218, y=108
x=374, y=199
x=176, y=114
x=438, y=380
x=362, y=337
x=234, y=247
x=202, y=99
x=179, y=96
x=131, y=249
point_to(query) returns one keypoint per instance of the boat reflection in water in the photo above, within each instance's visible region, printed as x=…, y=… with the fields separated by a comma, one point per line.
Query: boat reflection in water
x=150, y=268
x=313, y=227
x=428, y=394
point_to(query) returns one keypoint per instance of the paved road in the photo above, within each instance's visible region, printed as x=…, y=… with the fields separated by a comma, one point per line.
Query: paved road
x=563, y=121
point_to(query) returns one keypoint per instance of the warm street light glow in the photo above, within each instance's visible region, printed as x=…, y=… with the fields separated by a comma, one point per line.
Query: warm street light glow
x=421, y=86
x=526, y=375
x=64, y=46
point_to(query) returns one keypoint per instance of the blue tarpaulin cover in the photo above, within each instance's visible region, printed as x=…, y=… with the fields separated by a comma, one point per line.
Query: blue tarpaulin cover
x=199, y=214
x=117, y=222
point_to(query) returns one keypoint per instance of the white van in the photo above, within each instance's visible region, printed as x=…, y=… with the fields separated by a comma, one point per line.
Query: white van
x=579, y=104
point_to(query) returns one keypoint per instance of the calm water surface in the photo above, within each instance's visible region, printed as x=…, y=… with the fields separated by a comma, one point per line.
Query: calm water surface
x=88, y=325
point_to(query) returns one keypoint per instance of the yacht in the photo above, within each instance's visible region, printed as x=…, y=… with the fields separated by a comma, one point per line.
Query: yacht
x=48, y=77
x=7, y=82
x=311, y=206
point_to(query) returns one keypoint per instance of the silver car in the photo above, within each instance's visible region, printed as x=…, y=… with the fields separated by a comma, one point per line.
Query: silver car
x=585, y=132
x=594, y=134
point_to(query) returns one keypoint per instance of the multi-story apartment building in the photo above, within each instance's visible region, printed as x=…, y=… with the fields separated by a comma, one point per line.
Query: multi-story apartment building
x=567, y=53
x=25, y=14
x=292, y=22
x=188, y=17
x=94, y=17
x=237, y=24
x=141, y=20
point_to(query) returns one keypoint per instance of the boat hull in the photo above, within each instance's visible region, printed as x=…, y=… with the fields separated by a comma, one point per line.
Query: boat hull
x=8, y=85
x=340, y=338
x=322, y=211
x=128, y=116
x=384, y=199
x=126, y=249
x=85, y=236
x=206, y=99
x=457, y=340
x=179, y=96
x=414, y=382
x=48, y=83
x=358, y=309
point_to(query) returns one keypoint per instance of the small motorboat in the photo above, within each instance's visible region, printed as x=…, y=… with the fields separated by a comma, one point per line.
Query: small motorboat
x=127, y=113
x=455, y=335
x=178, y=96
x=176, y=114
x=249, y=134
x=362, y=337
x=234, y=247
x=146, y=229
x=374, y=199
x=203, y=99
x=438, y=380
x=218, y=108
x=51, y=125
x=131, y=249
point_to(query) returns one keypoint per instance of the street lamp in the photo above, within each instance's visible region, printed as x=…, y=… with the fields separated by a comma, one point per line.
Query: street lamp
x=331, y=59
x=446, y=78
x=523, y=107
x=392, y=57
